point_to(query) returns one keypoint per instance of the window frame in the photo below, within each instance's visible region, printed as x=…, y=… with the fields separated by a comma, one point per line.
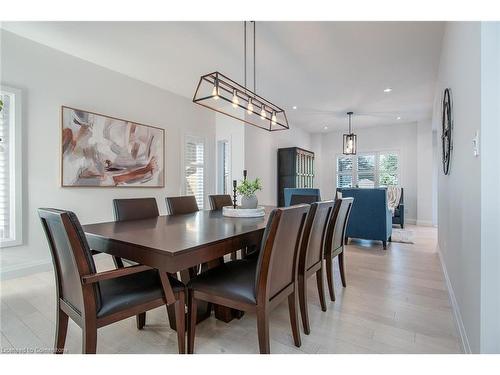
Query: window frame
x=15, y=169
x=195, y=138
x=222, y=156
x=355, y=173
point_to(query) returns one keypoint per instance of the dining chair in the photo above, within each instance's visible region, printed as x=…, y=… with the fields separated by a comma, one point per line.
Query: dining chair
x=260, y=284
x=134, y=209
x=181, y=205
x=219, y=201
x=311, y=256
x=96, y=299
x=334, y=241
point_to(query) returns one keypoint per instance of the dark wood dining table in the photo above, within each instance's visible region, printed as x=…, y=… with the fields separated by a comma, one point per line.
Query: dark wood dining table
x=178, y=243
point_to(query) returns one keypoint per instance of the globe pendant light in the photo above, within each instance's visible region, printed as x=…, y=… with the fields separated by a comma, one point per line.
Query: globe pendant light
x=350, y=140
x=222, y=94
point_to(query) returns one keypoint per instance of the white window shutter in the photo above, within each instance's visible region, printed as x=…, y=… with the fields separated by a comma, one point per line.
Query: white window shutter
x=194, y=168
x=5, y=217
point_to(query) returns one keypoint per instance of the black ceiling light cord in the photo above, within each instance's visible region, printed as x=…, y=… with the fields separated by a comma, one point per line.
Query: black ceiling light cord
x=215, y=91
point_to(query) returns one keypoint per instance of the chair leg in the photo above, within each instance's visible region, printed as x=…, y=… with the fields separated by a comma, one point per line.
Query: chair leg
x=342, y=269
x=384, y=245
x=294, y=318
x=89, y=334
x=263, y=331
x=234, y=255
x=192, y=309
x=329, y=276
x=180, y=322
x=303, y=303
x=61, y=331
x=321, y=288
x=140, y=320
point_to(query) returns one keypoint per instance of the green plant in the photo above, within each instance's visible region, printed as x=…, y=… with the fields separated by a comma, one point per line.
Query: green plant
x=248, y=187
x=1, y=105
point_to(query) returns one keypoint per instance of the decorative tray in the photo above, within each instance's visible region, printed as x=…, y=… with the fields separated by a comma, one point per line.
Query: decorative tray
x=243, y=212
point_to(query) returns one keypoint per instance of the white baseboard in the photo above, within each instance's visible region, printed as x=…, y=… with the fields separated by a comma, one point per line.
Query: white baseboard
x=454, y=306
x=425, y=223
x=25, y=269
x=410, y=221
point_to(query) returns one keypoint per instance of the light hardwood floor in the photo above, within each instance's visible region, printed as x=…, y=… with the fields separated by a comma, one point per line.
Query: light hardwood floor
x=395, y=302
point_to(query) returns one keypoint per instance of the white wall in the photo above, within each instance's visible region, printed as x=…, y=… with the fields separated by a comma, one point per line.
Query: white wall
x=490, y=187
x=261, y=156
x=50, y=79
x=425, y=176
x=459, y=193
x=400, y=137
x=233, y=131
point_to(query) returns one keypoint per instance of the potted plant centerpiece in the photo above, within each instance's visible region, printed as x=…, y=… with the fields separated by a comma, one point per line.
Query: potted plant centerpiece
x=247, y=189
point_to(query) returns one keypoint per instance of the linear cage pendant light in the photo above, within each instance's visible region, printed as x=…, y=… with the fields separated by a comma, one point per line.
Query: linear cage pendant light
x=221, y=94
x=350, y=140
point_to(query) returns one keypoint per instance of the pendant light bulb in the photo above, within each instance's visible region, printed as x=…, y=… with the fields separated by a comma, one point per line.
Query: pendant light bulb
x=263, y=112
x=273, y=118
x=235, y=100
x=250, y=106
x=215, y=91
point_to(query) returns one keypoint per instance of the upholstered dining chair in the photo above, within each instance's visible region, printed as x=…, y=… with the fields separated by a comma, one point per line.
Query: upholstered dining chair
x=260, y=284
x=334, y=241
x=219, y=201
x=134, y=209
x=181, y=205
x=96, y=299
x=311, y=256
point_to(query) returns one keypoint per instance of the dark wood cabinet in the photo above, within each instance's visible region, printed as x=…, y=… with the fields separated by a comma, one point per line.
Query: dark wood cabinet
x=295, y=170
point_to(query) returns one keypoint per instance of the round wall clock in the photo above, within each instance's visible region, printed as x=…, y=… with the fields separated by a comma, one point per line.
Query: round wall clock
x=447, y=125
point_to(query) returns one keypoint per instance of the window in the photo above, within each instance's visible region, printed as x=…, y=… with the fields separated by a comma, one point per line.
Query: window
x=194, y=168
x=344, y=171
x=223, y=170
x=366, y=171
x=375, y=169
x=388, y=169
x=10, y=167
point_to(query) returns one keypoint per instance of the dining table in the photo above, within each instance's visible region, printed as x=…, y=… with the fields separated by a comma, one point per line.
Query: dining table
x=181, y=245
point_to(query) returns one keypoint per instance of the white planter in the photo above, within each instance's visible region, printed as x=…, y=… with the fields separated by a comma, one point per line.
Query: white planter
x=249, y=201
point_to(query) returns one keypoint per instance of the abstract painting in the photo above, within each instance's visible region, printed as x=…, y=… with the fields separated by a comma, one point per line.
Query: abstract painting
x=103, y=151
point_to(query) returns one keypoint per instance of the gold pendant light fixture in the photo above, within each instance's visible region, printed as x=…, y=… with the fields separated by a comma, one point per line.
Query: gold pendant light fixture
x=221, y=94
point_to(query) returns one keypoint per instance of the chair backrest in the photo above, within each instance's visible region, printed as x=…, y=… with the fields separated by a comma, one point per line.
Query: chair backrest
x=338, y=224
x=288, y=193
x=135, y=209
x=219, y=201
x=299, y=199
x=278, y=257
x=313, y=237
x=181, y=205
x=370, y=216
x=71, y=255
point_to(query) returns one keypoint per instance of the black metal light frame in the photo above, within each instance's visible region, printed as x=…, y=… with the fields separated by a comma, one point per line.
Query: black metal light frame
x=350, y=137
x=226, y=88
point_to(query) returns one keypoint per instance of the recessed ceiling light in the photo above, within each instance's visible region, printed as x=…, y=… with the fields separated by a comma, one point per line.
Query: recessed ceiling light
x=398, y=118
x=294, y=107
x=388, y=89
x=326, y=128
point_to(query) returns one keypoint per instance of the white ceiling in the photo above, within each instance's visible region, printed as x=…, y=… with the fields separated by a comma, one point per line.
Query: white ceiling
x=323, y=68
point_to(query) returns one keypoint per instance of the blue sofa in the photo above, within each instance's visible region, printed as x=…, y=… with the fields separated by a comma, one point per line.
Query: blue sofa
x=370, y=217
